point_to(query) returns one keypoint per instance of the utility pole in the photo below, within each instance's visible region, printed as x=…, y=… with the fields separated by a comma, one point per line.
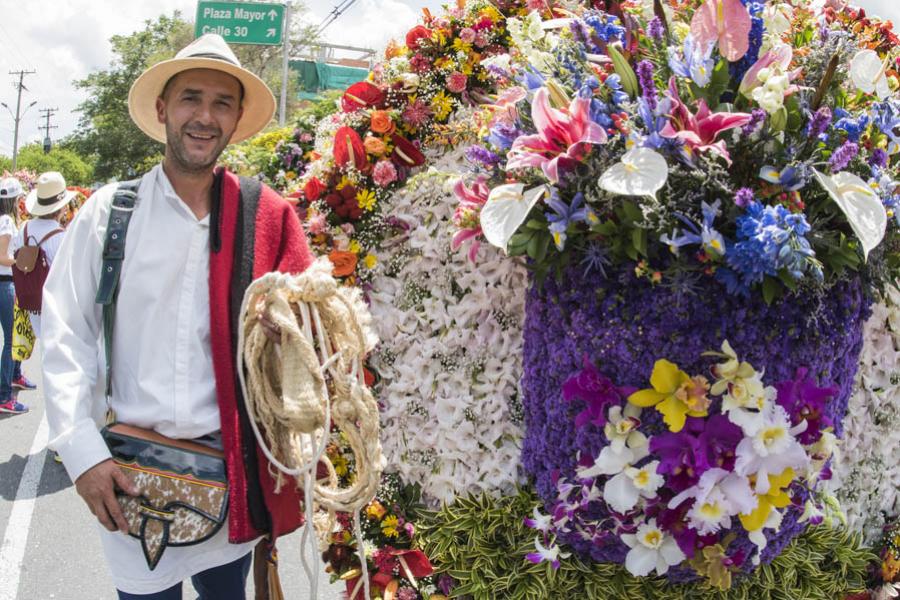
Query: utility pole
x=47, y=113
x=18, y=116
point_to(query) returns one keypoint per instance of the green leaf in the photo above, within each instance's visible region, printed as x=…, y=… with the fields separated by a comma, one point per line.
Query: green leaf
x=770, y=289
x=624, y=70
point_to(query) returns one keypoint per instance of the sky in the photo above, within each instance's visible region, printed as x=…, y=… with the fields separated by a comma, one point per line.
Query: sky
x=65, y=40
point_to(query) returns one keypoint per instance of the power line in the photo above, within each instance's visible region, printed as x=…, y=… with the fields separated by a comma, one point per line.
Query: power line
x=336, y=12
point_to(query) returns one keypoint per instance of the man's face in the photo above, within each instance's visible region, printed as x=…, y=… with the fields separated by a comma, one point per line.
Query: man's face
x=201, y=109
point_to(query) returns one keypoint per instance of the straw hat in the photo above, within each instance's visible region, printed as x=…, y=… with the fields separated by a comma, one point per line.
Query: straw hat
x=206, y=52
x=49, y=195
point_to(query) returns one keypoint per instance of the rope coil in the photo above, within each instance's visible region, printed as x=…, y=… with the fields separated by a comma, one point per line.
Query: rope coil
x=297, y=390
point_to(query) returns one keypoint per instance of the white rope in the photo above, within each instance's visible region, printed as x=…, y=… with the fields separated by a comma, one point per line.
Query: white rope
x=311, y=381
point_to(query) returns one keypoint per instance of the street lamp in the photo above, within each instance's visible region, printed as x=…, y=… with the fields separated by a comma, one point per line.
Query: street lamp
x=16, y=117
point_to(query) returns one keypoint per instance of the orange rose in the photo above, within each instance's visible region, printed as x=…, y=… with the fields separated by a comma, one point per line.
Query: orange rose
x=374, y=145
x=381, y=122
x=344, y=262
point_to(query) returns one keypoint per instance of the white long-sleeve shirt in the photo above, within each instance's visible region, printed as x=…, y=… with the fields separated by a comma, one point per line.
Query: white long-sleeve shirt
x=162, y=371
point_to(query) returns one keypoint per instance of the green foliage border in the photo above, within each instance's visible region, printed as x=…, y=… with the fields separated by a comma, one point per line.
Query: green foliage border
x=482, y=542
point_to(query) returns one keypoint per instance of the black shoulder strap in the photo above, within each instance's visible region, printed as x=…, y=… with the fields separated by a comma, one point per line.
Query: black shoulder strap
x=123, y=204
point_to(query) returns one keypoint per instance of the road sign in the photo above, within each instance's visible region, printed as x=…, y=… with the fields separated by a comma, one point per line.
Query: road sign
x=241, y=22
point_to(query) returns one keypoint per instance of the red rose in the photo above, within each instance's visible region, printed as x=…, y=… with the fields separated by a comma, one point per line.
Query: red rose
x=415, y=35
x=313, y=189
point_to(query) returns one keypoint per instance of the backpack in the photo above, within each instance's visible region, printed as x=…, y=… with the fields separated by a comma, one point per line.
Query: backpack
x=30, y=271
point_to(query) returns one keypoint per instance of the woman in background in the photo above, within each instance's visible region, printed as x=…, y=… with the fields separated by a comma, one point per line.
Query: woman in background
x=11, y=377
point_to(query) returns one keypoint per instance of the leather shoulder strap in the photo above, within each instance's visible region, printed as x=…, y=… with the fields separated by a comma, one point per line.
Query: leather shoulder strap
x=50, y=235
x=124, y=202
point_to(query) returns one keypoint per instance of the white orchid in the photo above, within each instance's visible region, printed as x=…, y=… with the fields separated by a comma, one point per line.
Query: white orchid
x=623, y=491
x=744, y=395
x=627, y=445
x=718, y=496
x=770, y=447
x=651, y=550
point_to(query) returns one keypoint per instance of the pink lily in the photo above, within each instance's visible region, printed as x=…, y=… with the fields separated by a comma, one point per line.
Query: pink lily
x=698, y=132
x=506, y=106
x=562, y=139
x=466, y=217
x=779, y=58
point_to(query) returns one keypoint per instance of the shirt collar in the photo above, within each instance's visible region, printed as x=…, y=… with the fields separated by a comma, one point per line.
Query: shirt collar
x=163, y=186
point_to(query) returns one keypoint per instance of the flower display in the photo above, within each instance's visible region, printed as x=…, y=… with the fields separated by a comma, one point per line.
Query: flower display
x=649, y=118
x=702, y=477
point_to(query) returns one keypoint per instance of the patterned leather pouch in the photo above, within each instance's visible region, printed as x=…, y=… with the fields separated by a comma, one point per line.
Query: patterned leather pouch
x=184, y=491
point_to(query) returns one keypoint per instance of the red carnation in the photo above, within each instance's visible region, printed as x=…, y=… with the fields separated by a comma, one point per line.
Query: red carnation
x=405, y=153
x=415, y=35
x=349, y=148
x=362, y=94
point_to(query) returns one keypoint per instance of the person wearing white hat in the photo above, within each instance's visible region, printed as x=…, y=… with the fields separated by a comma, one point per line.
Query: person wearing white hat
x=197, y=236
x=46, y=203
x=10, y=370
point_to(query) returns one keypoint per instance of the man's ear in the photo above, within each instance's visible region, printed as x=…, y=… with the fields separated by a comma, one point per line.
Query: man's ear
x=160, y=110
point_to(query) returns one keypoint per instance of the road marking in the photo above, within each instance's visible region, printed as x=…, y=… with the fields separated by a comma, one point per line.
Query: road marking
x=12, y=553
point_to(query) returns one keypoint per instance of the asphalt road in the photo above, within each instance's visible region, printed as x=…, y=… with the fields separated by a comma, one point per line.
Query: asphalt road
x=51, y=549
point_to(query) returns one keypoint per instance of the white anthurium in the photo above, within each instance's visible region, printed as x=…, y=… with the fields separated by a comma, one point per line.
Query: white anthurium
x=867, y=71
x=862, y=207
x=506, y=209
x=651, y=549
x=640, y=172
x=623, y=491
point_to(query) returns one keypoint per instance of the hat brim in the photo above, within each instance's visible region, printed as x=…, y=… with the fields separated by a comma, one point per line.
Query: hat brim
x=39, y=210
x=258, y=103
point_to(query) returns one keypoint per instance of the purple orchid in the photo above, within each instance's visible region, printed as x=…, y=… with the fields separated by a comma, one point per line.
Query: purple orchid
x=681, y=458
x=719, y=441
x=699, y=131
x=563, y=137
x=674, y=522
x=805, y=401
x=596, y=391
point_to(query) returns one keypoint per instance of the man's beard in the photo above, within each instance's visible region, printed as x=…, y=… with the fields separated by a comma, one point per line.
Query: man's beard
x=178, y=153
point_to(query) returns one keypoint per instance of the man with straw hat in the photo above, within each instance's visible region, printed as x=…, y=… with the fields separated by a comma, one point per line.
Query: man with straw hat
x=198, y=235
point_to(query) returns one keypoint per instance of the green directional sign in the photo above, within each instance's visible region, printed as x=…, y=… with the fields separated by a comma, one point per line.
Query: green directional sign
x=241, y=22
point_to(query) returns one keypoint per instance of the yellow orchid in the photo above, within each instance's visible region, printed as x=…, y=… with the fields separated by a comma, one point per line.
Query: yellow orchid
x=675, y=394
x=777, y=497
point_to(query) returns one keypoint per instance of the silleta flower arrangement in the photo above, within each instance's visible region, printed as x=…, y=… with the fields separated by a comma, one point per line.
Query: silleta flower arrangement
x=692, y=468
x=371, y=146
x=749, y=143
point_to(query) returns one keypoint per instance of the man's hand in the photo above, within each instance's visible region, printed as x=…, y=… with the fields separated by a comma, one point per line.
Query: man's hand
x=97, y=486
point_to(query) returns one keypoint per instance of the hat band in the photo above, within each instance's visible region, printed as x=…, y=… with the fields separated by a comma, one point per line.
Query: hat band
x=215, y=56
x=51, y=200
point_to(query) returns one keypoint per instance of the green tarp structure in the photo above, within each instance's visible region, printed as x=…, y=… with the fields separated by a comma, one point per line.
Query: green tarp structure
x=315, y=77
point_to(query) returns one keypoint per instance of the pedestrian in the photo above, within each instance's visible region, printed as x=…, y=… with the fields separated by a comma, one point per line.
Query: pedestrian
x=196, y=238
x=47, y=203
x=11, y=377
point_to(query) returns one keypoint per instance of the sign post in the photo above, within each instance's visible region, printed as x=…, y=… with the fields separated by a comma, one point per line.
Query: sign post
x=249, y=23
x=242, y=22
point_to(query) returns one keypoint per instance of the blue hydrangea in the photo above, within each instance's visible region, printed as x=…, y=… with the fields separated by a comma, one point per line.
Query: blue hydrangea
x=770, y=239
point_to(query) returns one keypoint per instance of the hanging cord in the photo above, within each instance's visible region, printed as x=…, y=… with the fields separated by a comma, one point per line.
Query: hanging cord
x=298, y=389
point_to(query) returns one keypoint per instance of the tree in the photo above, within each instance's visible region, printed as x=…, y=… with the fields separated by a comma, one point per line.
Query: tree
x=73, y=167
x=105, y=129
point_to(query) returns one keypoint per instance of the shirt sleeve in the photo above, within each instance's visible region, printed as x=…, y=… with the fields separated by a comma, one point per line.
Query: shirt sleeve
x=7, y=227
x=71, y=329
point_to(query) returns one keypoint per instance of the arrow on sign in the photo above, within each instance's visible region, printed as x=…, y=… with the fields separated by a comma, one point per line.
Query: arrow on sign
x=270, y=33
x=273, y=15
